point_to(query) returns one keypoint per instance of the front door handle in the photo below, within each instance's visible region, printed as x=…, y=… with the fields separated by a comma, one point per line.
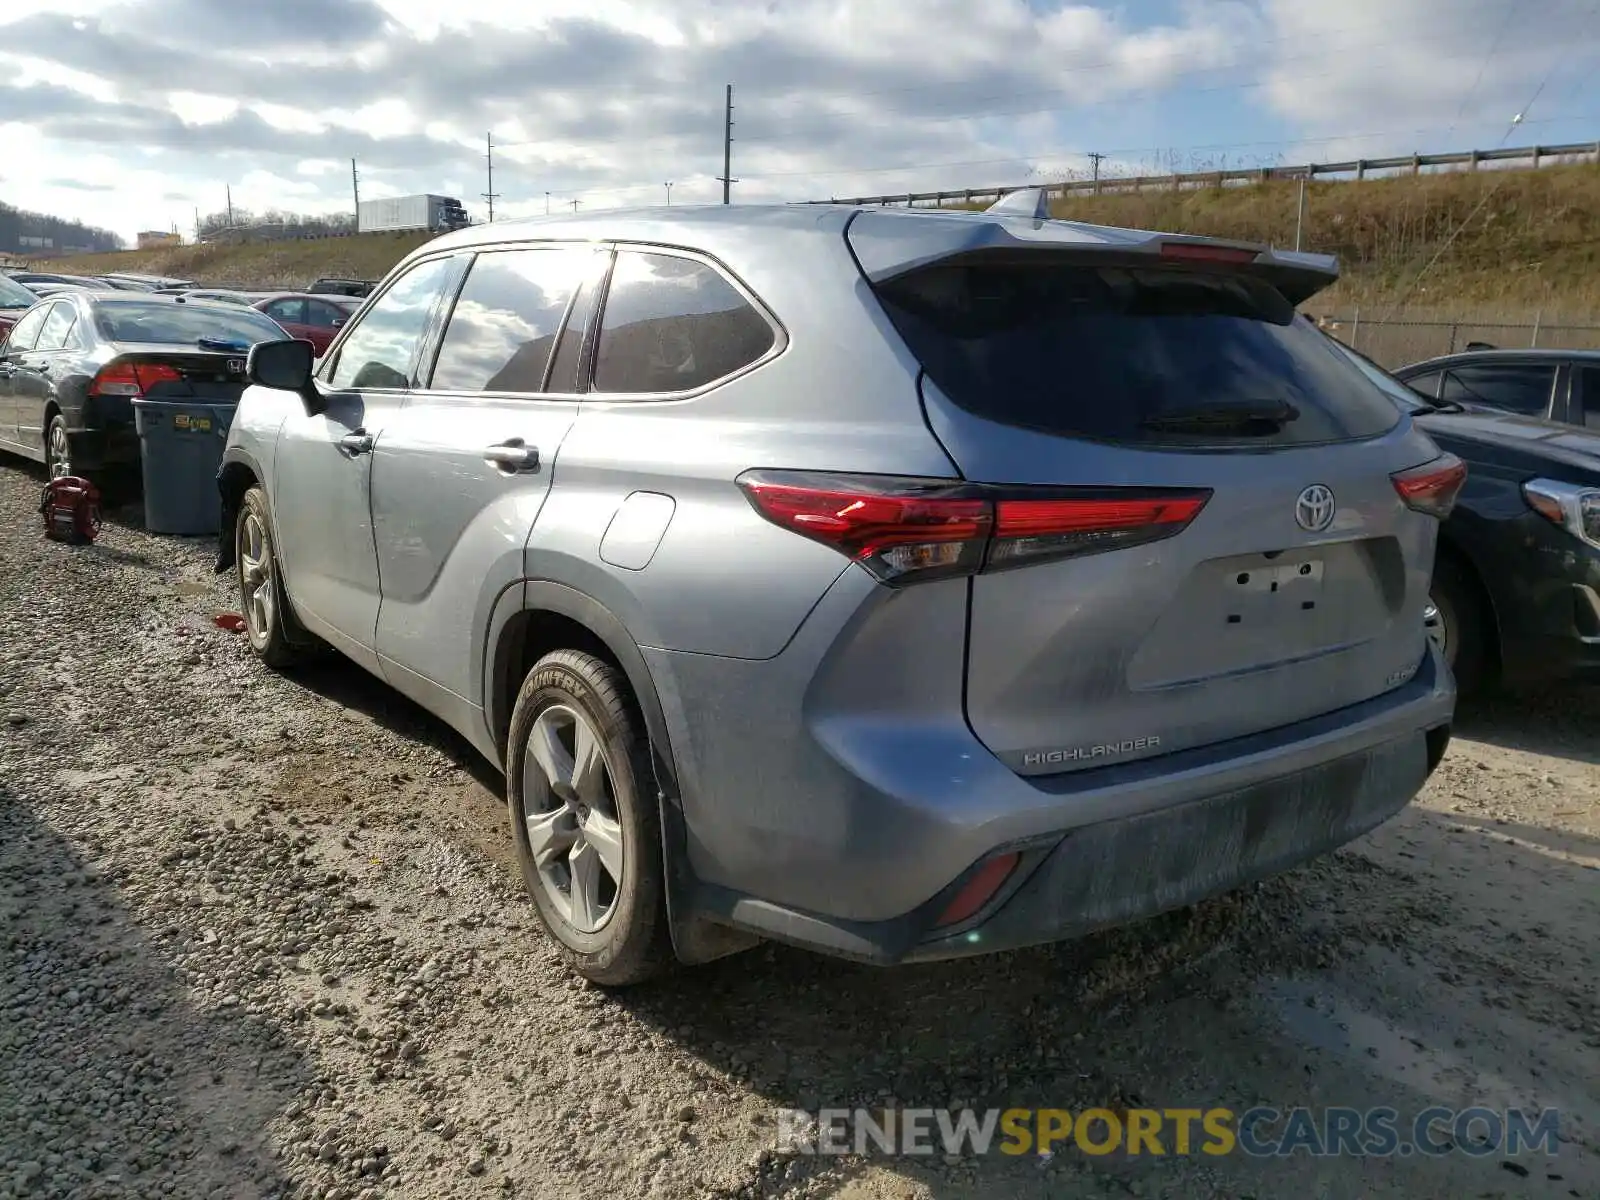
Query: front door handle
x=513, y=455
x=359, y=442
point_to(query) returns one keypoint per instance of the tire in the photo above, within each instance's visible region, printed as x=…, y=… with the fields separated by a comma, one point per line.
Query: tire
x=57, y=448
x=591, y=824
x=262, y=602
x=1462, y=630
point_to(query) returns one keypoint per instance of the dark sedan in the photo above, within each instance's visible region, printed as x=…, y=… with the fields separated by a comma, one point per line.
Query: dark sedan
x=1516, y=581
x=1556, y=385
x=72, y=366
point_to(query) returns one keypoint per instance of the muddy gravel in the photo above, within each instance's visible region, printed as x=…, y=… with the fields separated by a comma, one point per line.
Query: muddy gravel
x=260, y=936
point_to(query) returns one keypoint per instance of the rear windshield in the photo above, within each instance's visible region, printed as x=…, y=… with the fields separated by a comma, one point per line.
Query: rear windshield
x=182, y=324
x=14, y=296
x=1132, y=355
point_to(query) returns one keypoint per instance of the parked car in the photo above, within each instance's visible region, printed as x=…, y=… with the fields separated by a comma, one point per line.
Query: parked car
x=317, y=319
x=72, y=366
x=29, y=278
x=222, y=296
x=332, y=286
x=119, y=284
x=153, y=281
x=1553, y=385
x=15, y=299
x=1516, y=581
x=912, y=584
x=41, y=290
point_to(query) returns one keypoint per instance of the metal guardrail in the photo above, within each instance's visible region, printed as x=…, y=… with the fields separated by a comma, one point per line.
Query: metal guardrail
x=1359, y=167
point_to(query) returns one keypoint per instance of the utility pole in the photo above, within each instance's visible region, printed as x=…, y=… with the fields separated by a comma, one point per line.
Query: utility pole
x=230, y=206
x=355, y=193
x=1300, y=212
x=196, y=224
x=669, y=193
x=727, y=148
x=491, y=195
x=574, y=205
x=1095, y=157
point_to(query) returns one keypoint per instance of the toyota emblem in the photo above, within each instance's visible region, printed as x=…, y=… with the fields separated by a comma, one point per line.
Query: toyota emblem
x=1314, y=509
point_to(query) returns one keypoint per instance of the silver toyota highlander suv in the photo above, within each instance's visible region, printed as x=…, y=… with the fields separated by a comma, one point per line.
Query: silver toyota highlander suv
x=902, y=585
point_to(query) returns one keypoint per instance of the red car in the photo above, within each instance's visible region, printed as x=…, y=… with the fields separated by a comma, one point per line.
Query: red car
x=14, y=301
x=315, y=318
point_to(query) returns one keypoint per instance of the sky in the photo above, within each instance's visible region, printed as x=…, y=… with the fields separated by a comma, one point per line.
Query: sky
x=131, y=114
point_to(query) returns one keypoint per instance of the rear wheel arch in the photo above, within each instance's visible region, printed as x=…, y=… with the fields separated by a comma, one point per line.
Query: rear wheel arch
x=1451, y=552
x=555, y=617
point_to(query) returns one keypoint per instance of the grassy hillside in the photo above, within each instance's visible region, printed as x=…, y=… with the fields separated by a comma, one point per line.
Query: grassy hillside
x=263, y=264
x=1533, y=246
x=1525, y=241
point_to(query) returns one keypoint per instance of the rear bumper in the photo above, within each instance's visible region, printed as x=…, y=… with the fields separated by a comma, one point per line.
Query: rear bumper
x=849, y=830
x=94, y=449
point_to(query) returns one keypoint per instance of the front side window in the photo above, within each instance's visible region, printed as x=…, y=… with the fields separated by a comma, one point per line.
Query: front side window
x=672, y=324
x=1511, y=387
x=379, y=350
x=506, y=319
x=26, y=331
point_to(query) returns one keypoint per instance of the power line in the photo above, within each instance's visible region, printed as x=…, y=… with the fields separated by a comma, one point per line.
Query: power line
x=1516, y=122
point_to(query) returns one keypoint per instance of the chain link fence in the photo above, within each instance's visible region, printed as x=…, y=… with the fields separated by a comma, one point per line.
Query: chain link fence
x=1395, y=343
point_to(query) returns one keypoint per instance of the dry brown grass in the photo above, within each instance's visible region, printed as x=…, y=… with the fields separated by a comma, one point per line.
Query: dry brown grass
x=261, y=264
x=1532, y=247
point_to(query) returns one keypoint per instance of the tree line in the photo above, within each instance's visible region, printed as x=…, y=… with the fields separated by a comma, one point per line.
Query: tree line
x=24, y=232
x=273, y=223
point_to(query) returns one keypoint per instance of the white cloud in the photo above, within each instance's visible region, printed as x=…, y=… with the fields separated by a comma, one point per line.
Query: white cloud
x=606, y=100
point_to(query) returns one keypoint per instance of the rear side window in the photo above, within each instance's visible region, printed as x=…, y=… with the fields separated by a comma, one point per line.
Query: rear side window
x=1132, y=355
x=287, y=312
x=26, y=331
x=175, y=324
x=57, y=328
x=1425, y=385
x=672, y=324
x=1518, y=388
x=506, y=318
x=379, y=350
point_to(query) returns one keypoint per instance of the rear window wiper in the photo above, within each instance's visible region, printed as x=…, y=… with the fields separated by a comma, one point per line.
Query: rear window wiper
x=1247, y=417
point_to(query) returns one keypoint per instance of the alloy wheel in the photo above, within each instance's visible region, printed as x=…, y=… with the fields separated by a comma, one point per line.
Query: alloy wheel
x=1436, y=620
x=575, y=836
x=255, y=575
x=59, y=451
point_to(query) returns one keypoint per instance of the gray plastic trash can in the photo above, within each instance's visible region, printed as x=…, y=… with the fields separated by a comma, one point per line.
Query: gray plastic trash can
x=180, y=449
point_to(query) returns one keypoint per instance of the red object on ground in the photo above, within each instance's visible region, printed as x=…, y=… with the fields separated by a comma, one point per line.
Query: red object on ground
x=232, y=622
x=71, y=509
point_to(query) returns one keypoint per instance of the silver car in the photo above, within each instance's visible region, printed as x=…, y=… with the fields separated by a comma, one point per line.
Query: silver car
x=902, y=585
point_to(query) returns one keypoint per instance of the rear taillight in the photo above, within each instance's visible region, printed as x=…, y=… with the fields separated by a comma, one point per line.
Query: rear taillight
x=1433, y=487
x=131, y=379
x=902, y=528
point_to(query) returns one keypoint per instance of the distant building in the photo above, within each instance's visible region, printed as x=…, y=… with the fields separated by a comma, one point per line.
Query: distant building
x=154, y=238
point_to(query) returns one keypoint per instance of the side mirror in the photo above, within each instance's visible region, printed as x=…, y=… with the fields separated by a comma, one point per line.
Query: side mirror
x=285, y=365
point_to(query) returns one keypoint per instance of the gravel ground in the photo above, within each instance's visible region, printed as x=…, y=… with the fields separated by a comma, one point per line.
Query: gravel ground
x=260, y=937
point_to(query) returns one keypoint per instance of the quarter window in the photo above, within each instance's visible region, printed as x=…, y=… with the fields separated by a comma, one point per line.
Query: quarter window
x=380, y=350
x=671, y=324
x=506, y=319
x=288, y=312
x=57, y=328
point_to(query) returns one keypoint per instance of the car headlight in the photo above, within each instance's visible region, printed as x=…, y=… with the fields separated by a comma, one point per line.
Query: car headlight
x=1576, y=509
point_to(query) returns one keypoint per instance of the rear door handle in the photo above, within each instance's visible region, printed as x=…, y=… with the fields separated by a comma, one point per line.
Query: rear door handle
x=513, y=455
x=359, y=442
